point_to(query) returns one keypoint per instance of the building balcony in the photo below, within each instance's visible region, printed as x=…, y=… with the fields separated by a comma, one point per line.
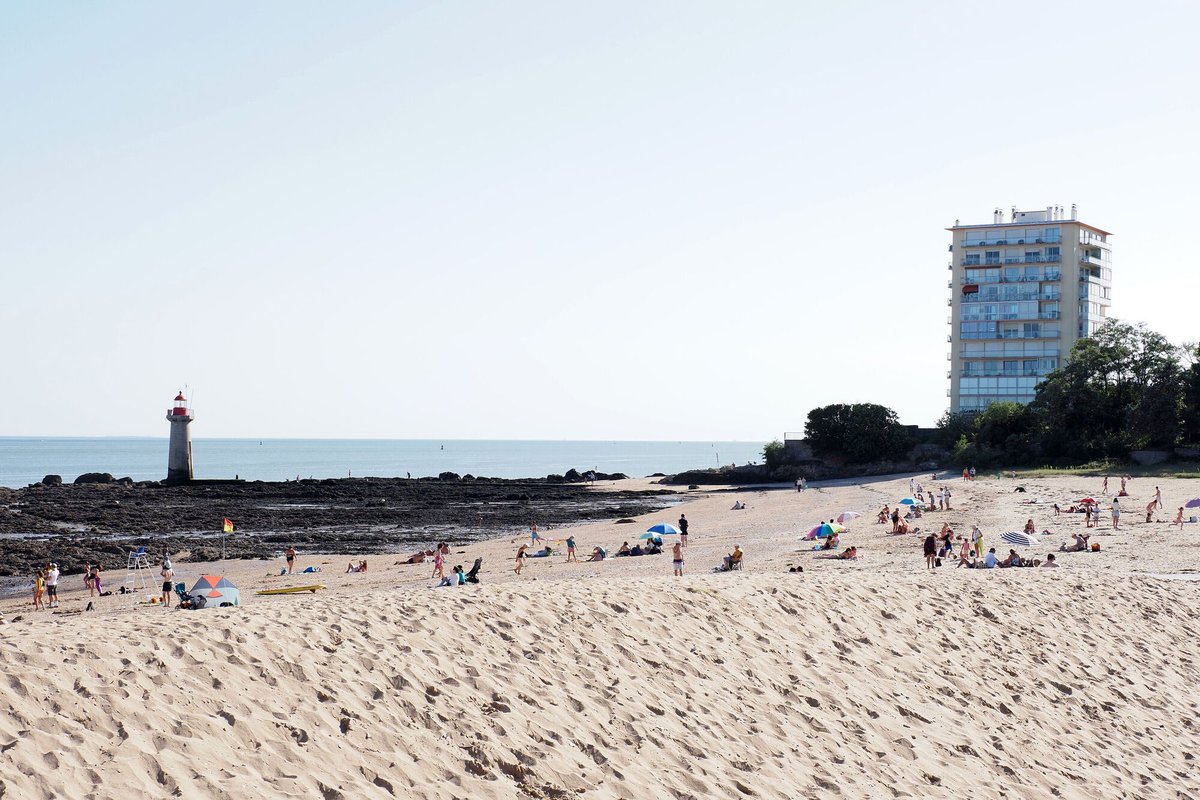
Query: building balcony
x=999, y=262
x=1003, y=337
x=1006, y=241
x=1092, y=261
x=1001, y=373
x=1045, y=275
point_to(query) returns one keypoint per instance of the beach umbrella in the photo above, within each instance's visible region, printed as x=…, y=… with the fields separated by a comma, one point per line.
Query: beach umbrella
x=662, y=529
x=649, y=535
x=846, y=516
x=908, y=501
x=1193, y=503
x=1018, y=538
x=1087, y=500
x=823, y=530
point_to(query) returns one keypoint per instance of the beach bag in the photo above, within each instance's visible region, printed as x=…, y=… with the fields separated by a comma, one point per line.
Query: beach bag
x=937, y=563
x=1095, y=547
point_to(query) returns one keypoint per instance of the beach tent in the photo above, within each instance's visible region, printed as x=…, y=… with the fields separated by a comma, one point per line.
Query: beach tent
x=217, y=589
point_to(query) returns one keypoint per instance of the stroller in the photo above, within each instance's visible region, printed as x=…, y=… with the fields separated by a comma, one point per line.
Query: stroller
x=473, y=575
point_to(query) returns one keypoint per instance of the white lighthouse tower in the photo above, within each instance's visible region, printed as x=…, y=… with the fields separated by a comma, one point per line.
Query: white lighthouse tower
x=179, y=457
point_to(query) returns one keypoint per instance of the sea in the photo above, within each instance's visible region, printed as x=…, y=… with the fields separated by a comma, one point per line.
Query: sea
x=26, y=460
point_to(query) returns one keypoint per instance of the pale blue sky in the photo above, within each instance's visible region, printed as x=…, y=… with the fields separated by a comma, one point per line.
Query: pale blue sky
x=677, y=220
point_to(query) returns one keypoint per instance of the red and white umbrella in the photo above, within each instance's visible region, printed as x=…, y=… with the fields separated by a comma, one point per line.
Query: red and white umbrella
x=846, y=516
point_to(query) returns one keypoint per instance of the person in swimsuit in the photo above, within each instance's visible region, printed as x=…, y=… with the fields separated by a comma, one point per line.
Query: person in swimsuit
x=96, y=568
x=1179, y=518
x=168, y=586
x=521, y=558
x=677, y=556
x=39, y=588
x=291, y=559
x=439, y=563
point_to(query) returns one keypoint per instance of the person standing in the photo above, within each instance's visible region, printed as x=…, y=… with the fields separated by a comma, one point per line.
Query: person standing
x=977, y=539
x=930, y=551
x=1105, y=489
x=39, y=588
x=168, y=582
x=683, y=526
x=1116, y=514
x=912, y=487
x=52, y=575
x=521, y=558
x=1158, y=497
x=533, y=533
x=96, y=587
x=291, y=558
x=677, y=559
x=439, y=562
x=571, y=549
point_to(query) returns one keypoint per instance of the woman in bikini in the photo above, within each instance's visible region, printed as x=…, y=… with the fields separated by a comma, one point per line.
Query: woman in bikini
x=521, y=558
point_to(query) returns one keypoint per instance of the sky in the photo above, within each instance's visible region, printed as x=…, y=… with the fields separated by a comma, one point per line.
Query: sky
x=542, y=220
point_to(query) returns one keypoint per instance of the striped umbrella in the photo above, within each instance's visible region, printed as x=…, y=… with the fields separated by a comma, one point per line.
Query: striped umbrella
x=1018, y=538
x=823, y=530
x=846, y=516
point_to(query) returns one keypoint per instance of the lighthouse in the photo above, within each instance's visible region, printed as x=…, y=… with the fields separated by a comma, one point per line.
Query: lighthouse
x=179, y=457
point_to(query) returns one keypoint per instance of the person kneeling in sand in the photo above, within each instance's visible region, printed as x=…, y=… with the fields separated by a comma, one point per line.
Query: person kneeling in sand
x=598, y=554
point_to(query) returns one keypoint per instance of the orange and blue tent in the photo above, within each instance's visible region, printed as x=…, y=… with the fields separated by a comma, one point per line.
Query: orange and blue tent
x=217, y=590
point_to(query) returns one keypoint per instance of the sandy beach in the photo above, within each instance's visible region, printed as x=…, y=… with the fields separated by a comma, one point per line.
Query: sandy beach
x=867, y=678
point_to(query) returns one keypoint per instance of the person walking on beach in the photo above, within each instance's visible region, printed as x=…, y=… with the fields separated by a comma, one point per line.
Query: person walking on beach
x=168, y=585
x=677, y=559
x=290, y=555
x=52, y=575
x=1179, y=518
x=1158, y=497
x=683, y=525
x=1105, y=489
x=533, y=533
x=96, y=587
x=1116, y=514
x=521, y=558
x=571, y=549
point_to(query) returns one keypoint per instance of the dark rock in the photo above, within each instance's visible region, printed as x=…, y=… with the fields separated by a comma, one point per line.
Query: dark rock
x=656, y=475
x=554, y=479
x=693, y=486
x=94, y=477
x=623, y=521
x=448, y=476
x=52, y=480
x=573, y=476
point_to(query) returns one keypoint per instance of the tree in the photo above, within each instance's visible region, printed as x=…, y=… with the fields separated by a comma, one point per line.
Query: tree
x=774, y=454
x=1121, y=390
x=860, y=432
x=954, y=425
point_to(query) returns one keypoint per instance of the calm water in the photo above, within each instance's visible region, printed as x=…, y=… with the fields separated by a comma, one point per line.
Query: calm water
x=25, y=460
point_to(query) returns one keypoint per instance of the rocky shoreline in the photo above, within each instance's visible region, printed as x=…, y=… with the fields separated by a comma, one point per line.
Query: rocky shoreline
x=74, y=523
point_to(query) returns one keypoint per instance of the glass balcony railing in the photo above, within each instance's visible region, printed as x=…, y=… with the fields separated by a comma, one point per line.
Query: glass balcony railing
x=997, y=262
x=1037, y=277
x=1014, y=241
x=1001, y=373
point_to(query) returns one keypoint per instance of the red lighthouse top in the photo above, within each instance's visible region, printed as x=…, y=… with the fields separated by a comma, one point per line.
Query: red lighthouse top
x=180, y=409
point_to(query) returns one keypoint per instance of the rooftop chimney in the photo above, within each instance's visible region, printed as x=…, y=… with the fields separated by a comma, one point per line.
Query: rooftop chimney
x=1074, y=211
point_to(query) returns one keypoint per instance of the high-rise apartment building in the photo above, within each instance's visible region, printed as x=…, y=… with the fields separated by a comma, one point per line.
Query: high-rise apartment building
x=1023, y=290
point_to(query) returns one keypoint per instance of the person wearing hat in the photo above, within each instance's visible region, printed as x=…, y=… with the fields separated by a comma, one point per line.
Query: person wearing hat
x=52, y=574
x=168, y=585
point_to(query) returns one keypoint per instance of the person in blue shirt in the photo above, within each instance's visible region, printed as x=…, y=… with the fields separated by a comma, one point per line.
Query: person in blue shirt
x=991, y=561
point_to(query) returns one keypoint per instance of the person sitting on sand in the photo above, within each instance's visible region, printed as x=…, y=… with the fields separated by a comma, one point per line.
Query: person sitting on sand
x=351, y=567
x=831, y=542
x=1081, y=544
x=883, y=515
x=1013, y=560
x=624, y=550
x=990, y=561
x=598, y=554
x=1179, y=519
x=738, y=505
x=895, y=520
x=733, y=559
x=901, y=526
x=1050, y=561
x=1029, y=526
x=637, y=550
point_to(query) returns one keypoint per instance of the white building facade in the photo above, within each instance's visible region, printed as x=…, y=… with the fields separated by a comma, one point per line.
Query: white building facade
x=1024, y=289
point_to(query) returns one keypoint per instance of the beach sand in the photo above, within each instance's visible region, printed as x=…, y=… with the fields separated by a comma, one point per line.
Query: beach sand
x=871, y=678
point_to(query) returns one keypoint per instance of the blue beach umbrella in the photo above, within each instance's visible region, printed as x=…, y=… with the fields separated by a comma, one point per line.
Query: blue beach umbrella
x=662, y=529
x=908, y=501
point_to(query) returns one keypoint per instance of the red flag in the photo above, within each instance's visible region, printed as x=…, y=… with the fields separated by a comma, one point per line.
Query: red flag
x=228, y=526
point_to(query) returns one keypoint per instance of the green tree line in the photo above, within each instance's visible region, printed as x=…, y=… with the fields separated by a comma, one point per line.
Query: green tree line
x=1124, y=388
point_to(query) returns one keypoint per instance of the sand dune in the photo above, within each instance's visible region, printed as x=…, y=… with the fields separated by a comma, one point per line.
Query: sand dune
x=865, y=679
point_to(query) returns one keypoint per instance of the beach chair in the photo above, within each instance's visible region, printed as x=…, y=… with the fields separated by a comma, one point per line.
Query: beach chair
x=139, y=559
x=473, y=575
x=737, y=565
